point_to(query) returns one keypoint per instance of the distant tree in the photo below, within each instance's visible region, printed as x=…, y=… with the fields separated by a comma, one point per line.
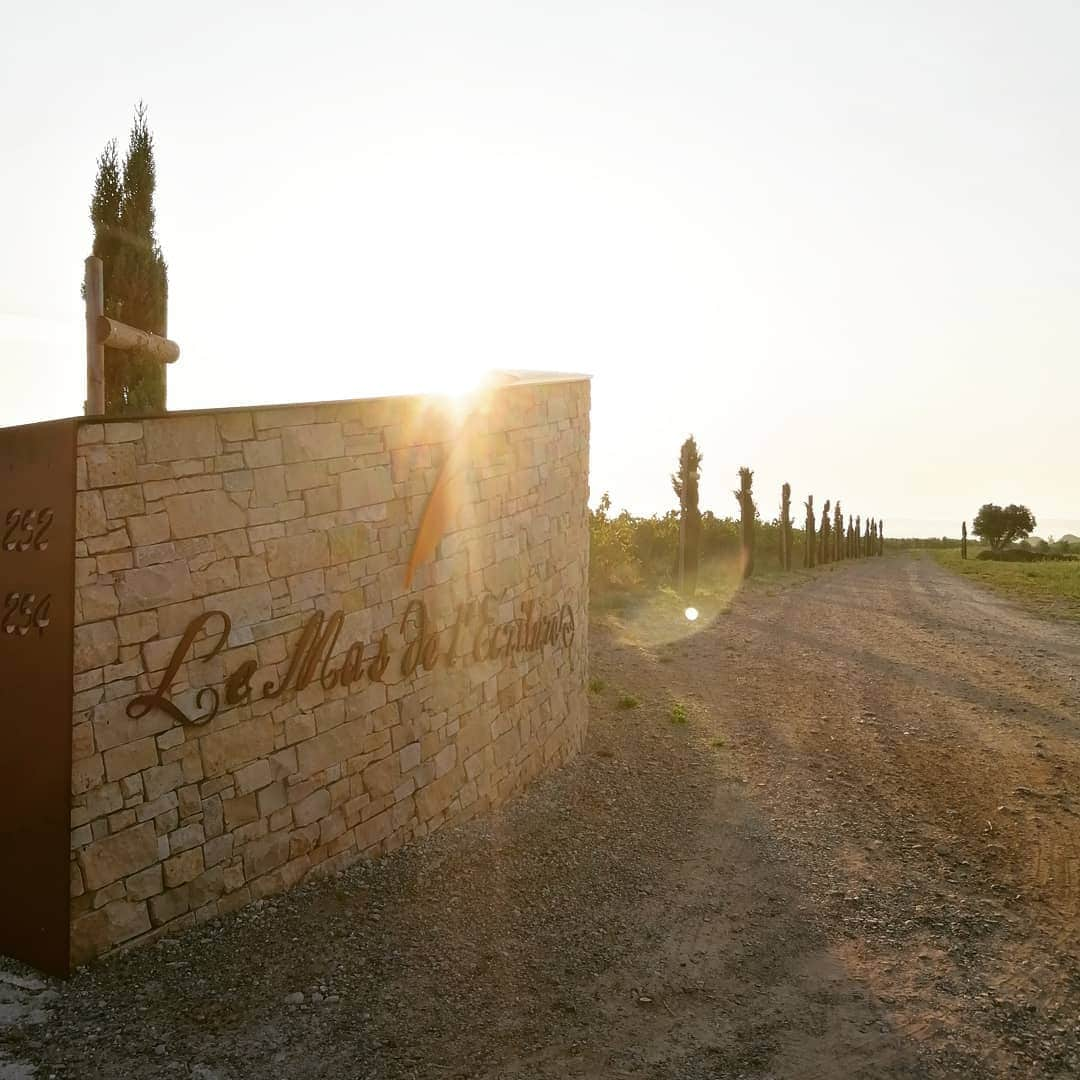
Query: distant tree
x=686, y=482
x=134, y=271
x=963, y=540
x=785, y=527
x=823, y=534
x=1000, y=526
x=747, y=513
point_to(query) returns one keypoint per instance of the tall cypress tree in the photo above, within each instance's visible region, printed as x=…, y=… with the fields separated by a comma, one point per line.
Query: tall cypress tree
x=135, y=276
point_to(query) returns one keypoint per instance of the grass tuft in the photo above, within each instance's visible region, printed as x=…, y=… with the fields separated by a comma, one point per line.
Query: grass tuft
x=627, y=701
x=596, y=684
x=678, y=713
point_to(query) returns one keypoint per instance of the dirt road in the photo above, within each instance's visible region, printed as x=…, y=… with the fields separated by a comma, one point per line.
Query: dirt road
x=858, y=856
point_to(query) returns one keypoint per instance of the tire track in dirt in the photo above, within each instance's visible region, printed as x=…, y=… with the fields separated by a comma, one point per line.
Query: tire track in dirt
x=889, y=718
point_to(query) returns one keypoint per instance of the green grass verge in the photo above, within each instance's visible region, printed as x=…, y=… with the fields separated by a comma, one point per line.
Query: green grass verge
x=1051, y=587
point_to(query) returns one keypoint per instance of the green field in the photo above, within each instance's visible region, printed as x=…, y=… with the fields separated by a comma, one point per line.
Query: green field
x=1051, y=587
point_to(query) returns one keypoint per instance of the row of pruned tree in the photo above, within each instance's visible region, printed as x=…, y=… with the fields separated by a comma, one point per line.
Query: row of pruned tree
x=825, y=542
x=829, y=541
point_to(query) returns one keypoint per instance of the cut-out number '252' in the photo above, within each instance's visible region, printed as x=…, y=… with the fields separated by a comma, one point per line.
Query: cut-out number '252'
x=23, y=611
x=27, y=528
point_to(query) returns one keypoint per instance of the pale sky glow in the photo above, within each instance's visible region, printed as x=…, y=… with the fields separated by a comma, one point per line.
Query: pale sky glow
x=840, y=245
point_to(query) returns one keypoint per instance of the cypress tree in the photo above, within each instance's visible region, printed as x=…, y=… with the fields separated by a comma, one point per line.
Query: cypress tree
x=686, y=482
x=134, y=271
x=838, y=533
x=823, y=535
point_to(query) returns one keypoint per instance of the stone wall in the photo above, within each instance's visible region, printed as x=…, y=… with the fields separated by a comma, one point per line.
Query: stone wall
x=257, y=692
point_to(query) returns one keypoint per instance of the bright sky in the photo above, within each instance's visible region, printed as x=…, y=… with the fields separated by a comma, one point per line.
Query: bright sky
x=839, y=243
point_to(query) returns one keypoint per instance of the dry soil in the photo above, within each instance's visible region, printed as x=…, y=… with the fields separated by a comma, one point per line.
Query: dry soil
x=852, y=851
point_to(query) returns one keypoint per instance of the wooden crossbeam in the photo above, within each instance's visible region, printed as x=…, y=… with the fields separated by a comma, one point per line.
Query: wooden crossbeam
x=118, y=335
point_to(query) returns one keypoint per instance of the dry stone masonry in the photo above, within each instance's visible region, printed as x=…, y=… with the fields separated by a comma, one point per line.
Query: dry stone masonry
x=257, y=693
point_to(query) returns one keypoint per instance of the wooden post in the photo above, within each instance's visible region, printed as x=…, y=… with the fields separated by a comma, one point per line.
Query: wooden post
x=95, y=351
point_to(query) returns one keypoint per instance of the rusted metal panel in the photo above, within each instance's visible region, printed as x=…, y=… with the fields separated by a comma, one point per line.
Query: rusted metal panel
x=37, y=596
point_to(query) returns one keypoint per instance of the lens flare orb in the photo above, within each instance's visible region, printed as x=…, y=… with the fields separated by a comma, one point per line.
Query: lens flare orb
x=691, y=613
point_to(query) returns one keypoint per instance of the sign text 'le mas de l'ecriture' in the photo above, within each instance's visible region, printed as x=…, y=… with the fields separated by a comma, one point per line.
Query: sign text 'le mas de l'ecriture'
x=315, y=652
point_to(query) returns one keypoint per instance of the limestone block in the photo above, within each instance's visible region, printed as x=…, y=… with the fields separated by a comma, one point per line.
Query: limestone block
x=114, y=540
x=180, y=438
x=124, y=502
x=269, y=486
x=374, y=830
x=185, y=839
x=235, y=426
x=148, y=587
x=119, y=855
x=240, y=480
x=252, y=570
x=263, y=855
x=312, y=442
x=90, y=519
x=252, y=777
x=333, y=746
x=95, y=645
x=239, y=812
x=86, y=774
x=218, y=576
x=217, y=850
x=260, y=453
x=381, y=778
x=169, y=905
x=151, y=555
x=198, y=513
x=146, y=883
x=98, y=602
x=364, y=487
x=137, y=628
x=110, y=466
x=82, y=741
x=349, y=542
x=148, y=529
x=314, y=807
x=109, y=925
x=305, y=586
x=445, y=760
x=207, y=887
x=160, y=807
x=231, y=747
x=160, y=780
x=181, y=868
x=247, y=606
x=130, y=758
x=306, y=474
x=295, y=554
